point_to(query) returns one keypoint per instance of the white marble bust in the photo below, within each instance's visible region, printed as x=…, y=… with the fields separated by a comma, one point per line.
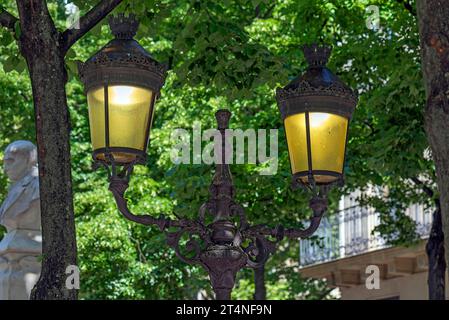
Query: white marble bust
x=20, y=214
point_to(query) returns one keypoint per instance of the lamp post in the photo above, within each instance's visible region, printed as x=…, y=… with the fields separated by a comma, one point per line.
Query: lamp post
x=122, y=82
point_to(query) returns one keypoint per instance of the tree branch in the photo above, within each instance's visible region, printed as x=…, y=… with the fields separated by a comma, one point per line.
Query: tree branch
x=266, y=15
x=425, y=188
x=428, y=191
x=87, y=22
x=408, y=7
x=7, y=20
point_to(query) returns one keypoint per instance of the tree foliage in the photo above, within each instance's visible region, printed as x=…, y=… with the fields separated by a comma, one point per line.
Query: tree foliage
x=233, y=54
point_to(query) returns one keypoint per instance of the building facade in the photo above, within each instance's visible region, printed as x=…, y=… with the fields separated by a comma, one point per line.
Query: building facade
x=349, y=254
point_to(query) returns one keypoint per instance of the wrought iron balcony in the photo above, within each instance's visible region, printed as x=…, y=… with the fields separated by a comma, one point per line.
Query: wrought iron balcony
x=350, y=232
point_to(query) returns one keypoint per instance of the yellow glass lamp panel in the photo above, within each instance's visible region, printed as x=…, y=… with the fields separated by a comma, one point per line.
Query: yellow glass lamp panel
x=129, y=112
x=295, y=129
x=327, y=143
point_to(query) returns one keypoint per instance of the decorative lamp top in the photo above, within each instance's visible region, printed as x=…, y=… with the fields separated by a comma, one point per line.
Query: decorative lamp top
x=318, y=89
x=123, y=27
x=223, y=116
x=122, y=61
x=316, y=55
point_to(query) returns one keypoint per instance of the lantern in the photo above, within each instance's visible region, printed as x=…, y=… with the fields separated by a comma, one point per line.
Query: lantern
x=316, y=109
x=122, y=82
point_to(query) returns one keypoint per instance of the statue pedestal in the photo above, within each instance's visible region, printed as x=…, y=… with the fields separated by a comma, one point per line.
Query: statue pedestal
x=20, y=265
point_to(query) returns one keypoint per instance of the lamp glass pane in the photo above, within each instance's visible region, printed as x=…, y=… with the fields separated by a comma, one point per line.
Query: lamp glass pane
x=328, y=141
x=129, y=112
x=327, y=144
x=96, y=118
x=295, y=130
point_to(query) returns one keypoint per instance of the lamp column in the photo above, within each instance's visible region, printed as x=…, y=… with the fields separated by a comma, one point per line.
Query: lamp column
x=223, y=256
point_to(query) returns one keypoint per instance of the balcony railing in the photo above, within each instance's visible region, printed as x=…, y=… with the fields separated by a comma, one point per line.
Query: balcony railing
x=351, y=232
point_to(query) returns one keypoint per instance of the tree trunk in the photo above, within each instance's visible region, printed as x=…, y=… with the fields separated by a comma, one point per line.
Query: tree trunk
x=433, y=19
x=39, y=44
x=436, y=277
x=259, y=281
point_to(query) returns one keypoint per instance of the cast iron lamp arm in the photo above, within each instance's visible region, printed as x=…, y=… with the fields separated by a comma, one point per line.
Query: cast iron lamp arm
x=318, y=204
x=118, y=187
x=118, y=184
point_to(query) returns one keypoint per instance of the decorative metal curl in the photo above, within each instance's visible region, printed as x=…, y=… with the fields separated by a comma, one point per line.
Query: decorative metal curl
x=259, y=251
x=192, y=245
x=237, y=210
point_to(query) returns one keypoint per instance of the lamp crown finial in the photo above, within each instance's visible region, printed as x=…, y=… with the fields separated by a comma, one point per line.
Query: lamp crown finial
x=123, y=27
x=316, y=55
x=223, y=117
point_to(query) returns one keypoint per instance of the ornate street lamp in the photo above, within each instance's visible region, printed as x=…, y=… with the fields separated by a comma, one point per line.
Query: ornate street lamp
x=316, y=109
x=122, y=82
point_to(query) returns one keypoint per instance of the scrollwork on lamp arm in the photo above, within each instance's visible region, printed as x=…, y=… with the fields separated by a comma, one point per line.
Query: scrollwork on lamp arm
x=119, y=183
x=118, y=186
x=318, y=206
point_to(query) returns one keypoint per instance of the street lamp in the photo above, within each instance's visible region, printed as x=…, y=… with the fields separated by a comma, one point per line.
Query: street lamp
x=316, y=109
x=122, y=82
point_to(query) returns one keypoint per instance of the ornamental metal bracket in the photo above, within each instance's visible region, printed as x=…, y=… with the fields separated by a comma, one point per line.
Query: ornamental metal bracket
x=219, y=245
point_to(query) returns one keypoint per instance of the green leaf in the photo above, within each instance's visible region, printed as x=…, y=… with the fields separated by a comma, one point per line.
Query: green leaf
x=17, y=29
x=9, y=64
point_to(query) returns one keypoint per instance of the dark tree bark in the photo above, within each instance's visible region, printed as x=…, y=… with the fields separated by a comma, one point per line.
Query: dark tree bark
x=39, y=45
x=260, y=292
x=44, y=48
x=433, y=19
x=436, y=278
